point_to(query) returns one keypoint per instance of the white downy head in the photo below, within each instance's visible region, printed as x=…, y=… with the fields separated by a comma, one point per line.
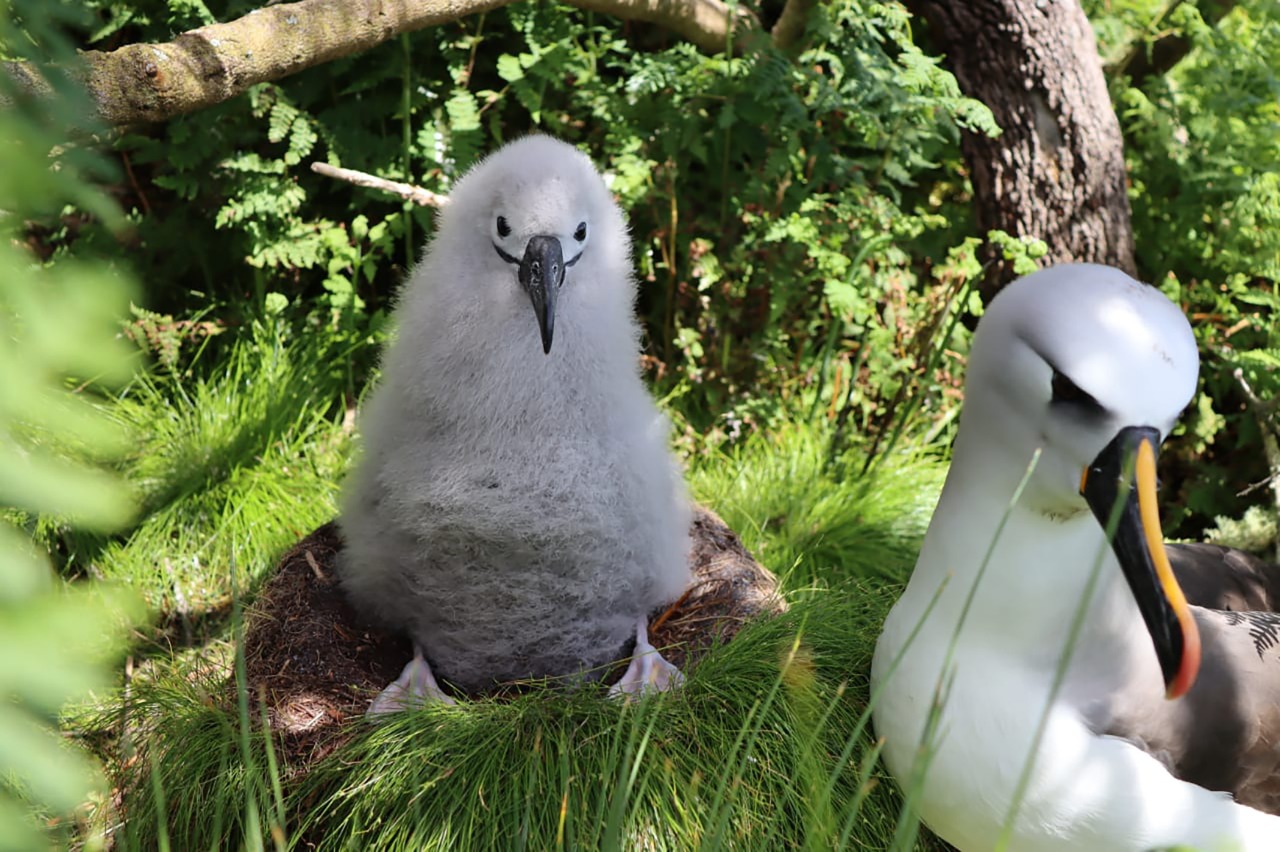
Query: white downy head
x=532, y=233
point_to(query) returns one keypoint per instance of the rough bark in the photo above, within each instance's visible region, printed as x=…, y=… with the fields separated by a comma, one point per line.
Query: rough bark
x=1057, y=172
x=154, y=82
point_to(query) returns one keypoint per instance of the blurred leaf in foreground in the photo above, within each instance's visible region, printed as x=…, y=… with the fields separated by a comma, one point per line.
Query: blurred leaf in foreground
x=58, y=340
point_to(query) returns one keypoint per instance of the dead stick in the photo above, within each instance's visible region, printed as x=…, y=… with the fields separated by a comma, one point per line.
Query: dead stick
x=416, y=194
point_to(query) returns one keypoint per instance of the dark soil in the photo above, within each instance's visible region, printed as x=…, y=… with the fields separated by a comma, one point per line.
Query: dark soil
x=317, y=664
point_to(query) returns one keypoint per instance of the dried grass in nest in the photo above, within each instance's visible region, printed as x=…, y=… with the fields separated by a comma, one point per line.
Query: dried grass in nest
x=316, y=664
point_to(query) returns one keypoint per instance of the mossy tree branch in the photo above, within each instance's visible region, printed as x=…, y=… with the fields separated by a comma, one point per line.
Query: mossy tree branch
x=789, y=28
x=206, y=66
x=1144, y=61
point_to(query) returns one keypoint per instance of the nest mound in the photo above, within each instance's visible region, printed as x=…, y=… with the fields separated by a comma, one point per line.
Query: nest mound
x=316, y=664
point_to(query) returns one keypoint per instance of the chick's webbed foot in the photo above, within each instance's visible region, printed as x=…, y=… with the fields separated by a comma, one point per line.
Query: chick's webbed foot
x=415, y=687
x=648, y=671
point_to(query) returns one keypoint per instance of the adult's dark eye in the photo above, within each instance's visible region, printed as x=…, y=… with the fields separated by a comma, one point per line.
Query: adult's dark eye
x=581, y=233
x=1067, y=392
x=504, y=229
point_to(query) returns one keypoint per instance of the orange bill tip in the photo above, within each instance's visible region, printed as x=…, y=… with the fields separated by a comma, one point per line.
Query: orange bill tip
x=1145, y=474
x=1190, y=667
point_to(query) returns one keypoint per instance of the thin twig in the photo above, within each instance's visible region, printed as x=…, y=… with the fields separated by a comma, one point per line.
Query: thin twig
x=662, y=619
x=416, y=194
x=133, y=182
x=315, y=568
x=1261, y=412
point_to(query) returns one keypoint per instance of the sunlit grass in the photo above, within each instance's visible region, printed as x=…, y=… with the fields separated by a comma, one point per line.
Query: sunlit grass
x=817, y=523
x=229, y=467
x=767, y=746
x=764, y=747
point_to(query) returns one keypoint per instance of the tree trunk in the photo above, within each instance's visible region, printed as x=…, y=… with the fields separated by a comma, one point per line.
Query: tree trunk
x=1057, y=172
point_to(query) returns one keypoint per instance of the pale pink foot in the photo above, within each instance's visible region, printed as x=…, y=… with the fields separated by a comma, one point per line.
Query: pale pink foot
x=415, y=687
x=648, y=671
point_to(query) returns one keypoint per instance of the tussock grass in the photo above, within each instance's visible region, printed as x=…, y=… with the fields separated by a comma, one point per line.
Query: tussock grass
x=765, y=747
x=815, y=521
x=230, y=467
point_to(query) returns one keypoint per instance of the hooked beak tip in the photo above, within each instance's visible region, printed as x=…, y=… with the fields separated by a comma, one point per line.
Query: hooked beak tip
x=1190, y=668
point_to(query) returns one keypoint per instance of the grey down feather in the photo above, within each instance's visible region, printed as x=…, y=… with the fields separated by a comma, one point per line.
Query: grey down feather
x=516, y=512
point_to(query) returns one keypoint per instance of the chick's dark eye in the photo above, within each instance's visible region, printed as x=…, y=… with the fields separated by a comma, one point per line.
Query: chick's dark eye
x=504, y=229
x=1067, y=392
x=581, y=233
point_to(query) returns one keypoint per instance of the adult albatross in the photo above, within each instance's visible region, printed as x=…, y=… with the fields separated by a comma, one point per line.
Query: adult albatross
x=1077, y=373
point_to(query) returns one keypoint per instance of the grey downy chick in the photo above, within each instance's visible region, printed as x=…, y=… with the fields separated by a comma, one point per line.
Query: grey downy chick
x=517, y=511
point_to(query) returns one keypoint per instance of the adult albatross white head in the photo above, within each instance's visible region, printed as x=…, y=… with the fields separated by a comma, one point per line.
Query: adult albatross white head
x=1089, y=369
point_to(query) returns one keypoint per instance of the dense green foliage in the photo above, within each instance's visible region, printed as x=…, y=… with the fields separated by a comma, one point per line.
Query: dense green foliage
x=838, y=165
x=805, y=253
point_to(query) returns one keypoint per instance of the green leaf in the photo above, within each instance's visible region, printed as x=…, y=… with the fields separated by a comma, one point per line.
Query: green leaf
x=842, y=296
x=274, y=303
x=463, y=113
x=360, y=227
x=509, y=68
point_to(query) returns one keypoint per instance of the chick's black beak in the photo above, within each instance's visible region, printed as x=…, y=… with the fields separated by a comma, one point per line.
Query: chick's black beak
x=541, y=274
x=1123, y=479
